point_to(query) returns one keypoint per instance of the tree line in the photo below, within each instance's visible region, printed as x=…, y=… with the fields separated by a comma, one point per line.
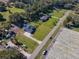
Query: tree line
x=33, y=8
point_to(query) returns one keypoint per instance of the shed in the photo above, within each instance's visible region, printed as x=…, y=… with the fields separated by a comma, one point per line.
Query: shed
x=44, y=18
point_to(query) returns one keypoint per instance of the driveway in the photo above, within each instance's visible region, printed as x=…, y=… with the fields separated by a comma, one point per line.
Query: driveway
x=32, y=38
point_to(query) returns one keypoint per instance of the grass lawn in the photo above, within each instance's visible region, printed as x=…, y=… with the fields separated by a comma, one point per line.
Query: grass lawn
x=46, y=27
x=28, y=42
x=5, y=15
x=76, y=29
x=13, y=10
x=58, y=13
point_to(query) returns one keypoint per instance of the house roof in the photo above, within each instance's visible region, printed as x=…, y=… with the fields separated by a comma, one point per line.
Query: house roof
x=29, y=28
x=44, y=17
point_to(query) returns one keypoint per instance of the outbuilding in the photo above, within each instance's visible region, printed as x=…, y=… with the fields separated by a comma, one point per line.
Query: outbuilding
x=44, y=18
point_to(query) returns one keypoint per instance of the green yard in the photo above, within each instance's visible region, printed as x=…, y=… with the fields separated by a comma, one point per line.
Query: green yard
x=76, y=29
x=58, y=13
x=13, y=10
x=46, y=27
x=31, y=45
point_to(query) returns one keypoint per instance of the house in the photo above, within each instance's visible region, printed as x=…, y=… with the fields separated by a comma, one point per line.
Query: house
x=5, y=1
x=44, y=18
x=10, y=34
x=29, y=28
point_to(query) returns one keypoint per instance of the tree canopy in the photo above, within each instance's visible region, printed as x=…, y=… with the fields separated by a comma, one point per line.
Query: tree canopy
x=11, y=53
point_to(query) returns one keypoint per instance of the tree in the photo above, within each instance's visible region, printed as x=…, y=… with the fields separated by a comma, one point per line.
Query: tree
x=18, y=19
x=73, y=19
x=11, y=53
x=19, y=5
x=1, y=18
x=2, y=4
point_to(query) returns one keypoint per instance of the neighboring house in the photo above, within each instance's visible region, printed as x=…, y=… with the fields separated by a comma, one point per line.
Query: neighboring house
x=5, y=34
x=77, y=1
x=5, y=1
x=10, y=34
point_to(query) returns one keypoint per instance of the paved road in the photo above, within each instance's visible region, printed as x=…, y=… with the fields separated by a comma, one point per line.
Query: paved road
x=51, y=44
x=37, y=50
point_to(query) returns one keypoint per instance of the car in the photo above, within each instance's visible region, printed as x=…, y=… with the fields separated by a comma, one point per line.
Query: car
x=45, y=52
x=51, y=37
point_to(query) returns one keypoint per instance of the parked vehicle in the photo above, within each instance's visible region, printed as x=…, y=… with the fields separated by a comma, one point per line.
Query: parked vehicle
x=45, y=52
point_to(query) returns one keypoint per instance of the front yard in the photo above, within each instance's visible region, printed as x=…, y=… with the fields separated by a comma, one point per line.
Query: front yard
x=46, y=27
x=30, y=44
